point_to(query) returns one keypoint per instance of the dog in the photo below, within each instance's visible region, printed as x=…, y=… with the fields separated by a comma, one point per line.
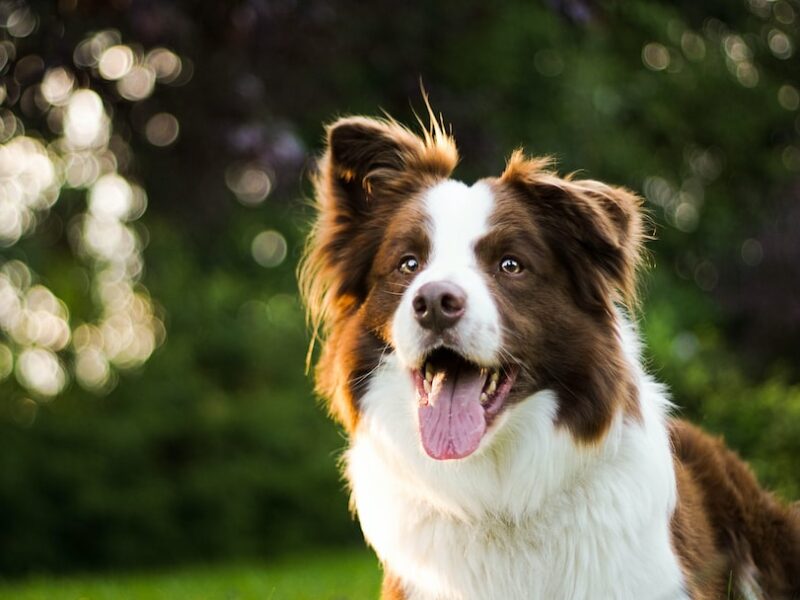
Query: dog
x=505, y=441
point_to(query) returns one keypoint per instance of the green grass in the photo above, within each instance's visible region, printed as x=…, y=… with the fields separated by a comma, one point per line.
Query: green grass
x=346, y=575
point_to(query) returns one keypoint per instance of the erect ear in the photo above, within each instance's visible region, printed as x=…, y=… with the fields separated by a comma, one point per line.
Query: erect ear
x=594, y=229
x=369, y=166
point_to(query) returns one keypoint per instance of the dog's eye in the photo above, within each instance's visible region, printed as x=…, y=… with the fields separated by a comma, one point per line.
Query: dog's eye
x=408, y=264
x=510, y=265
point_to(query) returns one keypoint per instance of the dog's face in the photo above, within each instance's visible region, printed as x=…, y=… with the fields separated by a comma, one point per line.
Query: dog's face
x=486, y=294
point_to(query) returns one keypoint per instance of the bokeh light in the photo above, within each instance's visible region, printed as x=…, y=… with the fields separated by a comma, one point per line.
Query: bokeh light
x=37, y=327
x=86, y=123
x=92, y=368
x=28, y=184
x=655, y=56
x=116, y=62
x=780, y=44
x=791, y=158
x=788, y=97
x=165, y=64
x=110, y=198
x=686, y=217
x=162, y=129
x=693, y=46
x=21, y=23
x=251, y=183
x=739, y=60
x=784, y=13
x=41, y=372
x=7, y=52
x=138, y=83
x=57, y=86
x=89, y=51
x=269, y=248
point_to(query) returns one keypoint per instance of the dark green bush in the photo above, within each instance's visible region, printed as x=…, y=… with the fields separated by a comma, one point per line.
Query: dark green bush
x=216, y=447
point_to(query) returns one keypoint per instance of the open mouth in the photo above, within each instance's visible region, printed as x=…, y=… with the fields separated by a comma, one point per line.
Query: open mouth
x=458, y=400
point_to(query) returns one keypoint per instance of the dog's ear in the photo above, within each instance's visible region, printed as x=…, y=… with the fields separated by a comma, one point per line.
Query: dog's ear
x=371, y=159
x=369, y=166
x=594, y=229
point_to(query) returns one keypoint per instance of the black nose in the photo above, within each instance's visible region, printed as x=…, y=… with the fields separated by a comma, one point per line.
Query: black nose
x=439, y=305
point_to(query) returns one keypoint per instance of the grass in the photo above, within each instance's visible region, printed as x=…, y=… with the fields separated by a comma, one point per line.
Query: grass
x=346, y=575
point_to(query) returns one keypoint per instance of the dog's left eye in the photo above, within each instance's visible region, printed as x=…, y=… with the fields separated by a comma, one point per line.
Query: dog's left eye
x=408, y=264
x=510, y=265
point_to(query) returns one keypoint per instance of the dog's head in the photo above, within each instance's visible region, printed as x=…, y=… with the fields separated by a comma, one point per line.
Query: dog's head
x=486, y=294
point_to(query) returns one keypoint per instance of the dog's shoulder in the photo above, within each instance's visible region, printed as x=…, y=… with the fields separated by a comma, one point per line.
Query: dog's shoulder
x=726, y=527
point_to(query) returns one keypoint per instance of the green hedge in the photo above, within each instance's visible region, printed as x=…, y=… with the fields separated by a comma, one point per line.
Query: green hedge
x=216, y=447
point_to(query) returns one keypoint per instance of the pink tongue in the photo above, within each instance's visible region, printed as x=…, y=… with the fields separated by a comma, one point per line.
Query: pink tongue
x=452, y=424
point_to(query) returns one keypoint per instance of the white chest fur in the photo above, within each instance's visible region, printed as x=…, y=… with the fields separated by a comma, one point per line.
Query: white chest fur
x=530, y=515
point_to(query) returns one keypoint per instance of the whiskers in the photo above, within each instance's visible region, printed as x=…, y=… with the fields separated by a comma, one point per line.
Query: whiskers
x=506, y=355
x=400, y=287
x=360, y=379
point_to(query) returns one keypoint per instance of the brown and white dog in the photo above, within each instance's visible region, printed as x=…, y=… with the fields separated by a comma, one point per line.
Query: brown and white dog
x=505, y=440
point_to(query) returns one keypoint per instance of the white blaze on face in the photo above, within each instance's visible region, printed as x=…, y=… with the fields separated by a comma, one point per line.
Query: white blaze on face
x=458, y=216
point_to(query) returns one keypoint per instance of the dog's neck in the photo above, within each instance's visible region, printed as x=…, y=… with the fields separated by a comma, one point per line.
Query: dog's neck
x=533, y=509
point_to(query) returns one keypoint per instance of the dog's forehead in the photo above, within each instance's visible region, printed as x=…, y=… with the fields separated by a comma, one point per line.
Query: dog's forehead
x=458, y=216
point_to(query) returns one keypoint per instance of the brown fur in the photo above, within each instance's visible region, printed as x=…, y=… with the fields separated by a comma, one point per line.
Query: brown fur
x=371, y=167
x=596, y=229
x=726, y=528
x=561, y=315
x=580, y=242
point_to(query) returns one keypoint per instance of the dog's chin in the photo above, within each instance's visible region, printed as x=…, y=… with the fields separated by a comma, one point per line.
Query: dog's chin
x=458, y=400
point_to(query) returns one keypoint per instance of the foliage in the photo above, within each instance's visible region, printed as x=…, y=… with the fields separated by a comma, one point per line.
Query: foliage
x=215, y=447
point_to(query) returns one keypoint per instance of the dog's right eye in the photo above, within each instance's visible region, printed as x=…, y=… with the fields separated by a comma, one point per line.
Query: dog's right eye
x=511, y=265
x=408, y=264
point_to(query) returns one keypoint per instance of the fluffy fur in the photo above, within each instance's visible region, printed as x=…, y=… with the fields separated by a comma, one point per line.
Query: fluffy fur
x=582, y=486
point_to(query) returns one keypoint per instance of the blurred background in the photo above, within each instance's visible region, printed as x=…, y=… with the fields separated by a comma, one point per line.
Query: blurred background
x=154, y=161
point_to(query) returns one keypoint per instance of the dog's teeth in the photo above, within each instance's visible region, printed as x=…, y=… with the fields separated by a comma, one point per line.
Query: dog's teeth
x=484, y=398
x=492, y=387
x=495, y=376
x=428, y=372
x=427, y=386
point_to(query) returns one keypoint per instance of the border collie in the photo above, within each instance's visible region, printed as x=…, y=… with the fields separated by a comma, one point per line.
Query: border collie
x=505, y=441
